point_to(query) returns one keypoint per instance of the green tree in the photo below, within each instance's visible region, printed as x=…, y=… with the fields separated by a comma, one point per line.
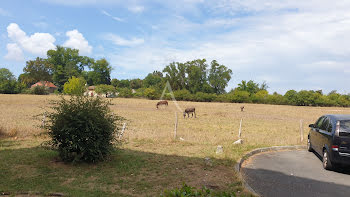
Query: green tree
x=260, y=97
x=249, y=86
x=291, y=97
x=150, y=93
x=67, y=63
x=124, y=83
x=37, y=70
x=8, y=82
x=75, y=86
x=153, y=79
x=197, y=75
x=219, y=76
x=100, y=74
x=115, y=82
x=105, y=89
x=175, y=74
x=135, y=83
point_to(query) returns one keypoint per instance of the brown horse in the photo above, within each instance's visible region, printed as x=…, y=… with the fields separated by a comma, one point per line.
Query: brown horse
x=189, y=110
x=162, y=103
x=242, y=108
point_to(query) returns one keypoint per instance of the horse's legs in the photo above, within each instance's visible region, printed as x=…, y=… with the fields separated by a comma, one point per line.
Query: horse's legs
x=194, y=114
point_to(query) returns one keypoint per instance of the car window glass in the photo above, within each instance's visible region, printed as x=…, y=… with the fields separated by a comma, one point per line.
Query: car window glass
x=345, y=126
x=330, y=127
x=319, y=122
x=325, y=124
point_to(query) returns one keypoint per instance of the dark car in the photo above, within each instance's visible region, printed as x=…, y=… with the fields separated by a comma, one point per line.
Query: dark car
x=330, y=138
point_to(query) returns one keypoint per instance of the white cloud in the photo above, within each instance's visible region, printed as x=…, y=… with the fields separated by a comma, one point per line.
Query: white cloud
x=77, y=41
x=136, y=9
x=14, y=52
x=37, y=44
x=117, y=40
x=113, y=17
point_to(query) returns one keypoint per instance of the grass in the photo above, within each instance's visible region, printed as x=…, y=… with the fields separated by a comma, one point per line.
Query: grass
x=150, y=160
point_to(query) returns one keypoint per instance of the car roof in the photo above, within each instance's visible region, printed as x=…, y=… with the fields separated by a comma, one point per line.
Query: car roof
x=337, y=117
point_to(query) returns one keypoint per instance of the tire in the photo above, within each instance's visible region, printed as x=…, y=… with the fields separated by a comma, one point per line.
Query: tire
x=326, y=162
x=309, y=146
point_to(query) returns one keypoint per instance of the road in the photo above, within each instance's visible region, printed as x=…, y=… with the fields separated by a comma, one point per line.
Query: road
x=294, y=173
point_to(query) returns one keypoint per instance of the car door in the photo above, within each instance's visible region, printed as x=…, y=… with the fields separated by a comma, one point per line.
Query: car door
x=325, y=134
x=314, y=134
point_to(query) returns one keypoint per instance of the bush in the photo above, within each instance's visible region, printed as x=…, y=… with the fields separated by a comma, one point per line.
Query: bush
x=187, y=191
x=108, y=90
x=204, y=97
x=82, y=128
x=124, y=92
x=150, y=93
x=183, y=95
x=40, y=90
x=74, y=86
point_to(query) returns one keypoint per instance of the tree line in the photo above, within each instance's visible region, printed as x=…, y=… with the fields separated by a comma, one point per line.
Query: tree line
x=196, y=80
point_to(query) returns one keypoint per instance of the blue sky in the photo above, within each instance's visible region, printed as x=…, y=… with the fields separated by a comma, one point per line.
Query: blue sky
x=290, y=44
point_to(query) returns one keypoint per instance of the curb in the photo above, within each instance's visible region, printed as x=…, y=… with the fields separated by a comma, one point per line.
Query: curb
x=238, y=166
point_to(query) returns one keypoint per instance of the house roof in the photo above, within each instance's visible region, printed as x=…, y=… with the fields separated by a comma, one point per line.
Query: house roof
x=91, y=88
x=44, y=83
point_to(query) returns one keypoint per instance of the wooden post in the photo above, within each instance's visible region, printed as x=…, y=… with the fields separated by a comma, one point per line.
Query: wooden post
x=240, y=129
x=301, y=130
x=175, y=129
x=122, y=132
x=43, y=121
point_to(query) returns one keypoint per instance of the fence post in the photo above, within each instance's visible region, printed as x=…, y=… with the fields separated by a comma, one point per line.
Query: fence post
x=301, y=130
x=43, y=121
x=175, y=129
x=122, y=132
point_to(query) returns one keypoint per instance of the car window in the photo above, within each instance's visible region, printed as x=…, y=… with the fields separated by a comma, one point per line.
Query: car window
x=319, y=122
x=324, y=125
x=330, y=127
x=345, y=126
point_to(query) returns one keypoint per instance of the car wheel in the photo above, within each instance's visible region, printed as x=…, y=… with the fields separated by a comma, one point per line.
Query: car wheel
x=327, y=164
x=309, y=146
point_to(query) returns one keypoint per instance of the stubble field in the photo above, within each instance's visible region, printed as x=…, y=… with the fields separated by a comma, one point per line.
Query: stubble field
x=153, y=160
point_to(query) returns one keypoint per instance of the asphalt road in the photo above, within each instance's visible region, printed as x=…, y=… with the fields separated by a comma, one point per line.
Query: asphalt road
x=294, y=173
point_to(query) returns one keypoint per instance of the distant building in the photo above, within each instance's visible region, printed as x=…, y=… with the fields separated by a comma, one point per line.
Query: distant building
x=90, y=91
x=50, y=86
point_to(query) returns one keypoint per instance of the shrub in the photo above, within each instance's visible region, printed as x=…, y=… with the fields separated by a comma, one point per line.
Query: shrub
x=183, y=95
x=82, y=128
x=40, y=90
x=74, y=86
x=124, y=92
x=204, y=97
x=108, y=90
x=150, y=93
x=187, y=191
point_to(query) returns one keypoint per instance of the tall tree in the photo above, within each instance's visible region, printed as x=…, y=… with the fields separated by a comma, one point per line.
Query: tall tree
x=197, y=75
x=7, y=82
x=101, y=72
x=153, y=79
x=219, y=76
x=37, y=70
x=67, y=63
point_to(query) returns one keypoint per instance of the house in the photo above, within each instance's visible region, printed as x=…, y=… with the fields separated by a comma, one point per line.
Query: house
x=50, y=86
x=90, y=91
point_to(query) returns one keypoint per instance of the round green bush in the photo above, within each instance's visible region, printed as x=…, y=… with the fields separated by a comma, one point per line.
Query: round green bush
x=83, y=128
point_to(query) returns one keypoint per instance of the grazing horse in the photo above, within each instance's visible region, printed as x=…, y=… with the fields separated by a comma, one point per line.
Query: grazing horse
x=162, y=103
x=189, y=110
x=242, y=108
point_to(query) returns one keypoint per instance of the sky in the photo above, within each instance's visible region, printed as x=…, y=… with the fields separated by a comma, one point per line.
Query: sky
x=289, y=44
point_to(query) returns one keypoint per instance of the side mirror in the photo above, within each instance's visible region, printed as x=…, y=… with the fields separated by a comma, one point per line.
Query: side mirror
x=311, y=125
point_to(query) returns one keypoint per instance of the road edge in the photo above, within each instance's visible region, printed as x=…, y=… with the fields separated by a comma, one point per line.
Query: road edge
x=238, y=166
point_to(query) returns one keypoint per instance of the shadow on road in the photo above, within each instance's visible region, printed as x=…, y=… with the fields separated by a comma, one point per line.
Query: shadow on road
x=269, y=183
